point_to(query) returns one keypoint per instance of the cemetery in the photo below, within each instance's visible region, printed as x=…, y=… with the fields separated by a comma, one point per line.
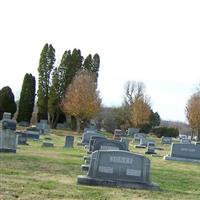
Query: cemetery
x=51, y=171
x=100, y=100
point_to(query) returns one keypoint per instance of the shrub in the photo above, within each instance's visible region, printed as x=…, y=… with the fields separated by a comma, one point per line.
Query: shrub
x=165, y=131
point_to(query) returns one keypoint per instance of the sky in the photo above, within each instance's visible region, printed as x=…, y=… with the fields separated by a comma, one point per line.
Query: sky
x=153, y=41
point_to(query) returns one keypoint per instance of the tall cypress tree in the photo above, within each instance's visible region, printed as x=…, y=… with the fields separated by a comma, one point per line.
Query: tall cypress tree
x=46, y=64
x=92, y=64
x=7, y=101
x=71, y=63
x=88, y=63
x=27, y=99
x=54, y=99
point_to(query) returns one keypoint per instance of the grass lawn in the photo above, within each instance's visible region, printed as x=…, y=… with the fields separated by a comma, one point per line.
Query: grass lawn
x=36, y=172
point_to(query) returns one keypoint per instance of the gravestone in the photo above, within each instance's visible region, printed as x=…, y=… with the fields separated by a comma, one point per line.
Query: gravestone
x=184, y=152
x=8, y=137
x=24, y=123
x=150, y=148
x=105, y=145
x=47, y=143
x=6, y=115
x=69, y=141
x=61, y=126
x=132, y=131
x=43, y=126
x=86, y=136
x=94, y=138
x=118, y=168
x=185, y=141
x=126, y=141
x=137, y=136
x=142, y=144
x=166, y=140
x=22, y=138
x=118, y=133
x=33, y=133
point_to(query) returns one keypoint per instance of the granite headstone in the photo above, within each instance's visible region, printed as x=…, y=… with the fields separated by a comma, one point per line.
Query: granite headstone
x=120, y=169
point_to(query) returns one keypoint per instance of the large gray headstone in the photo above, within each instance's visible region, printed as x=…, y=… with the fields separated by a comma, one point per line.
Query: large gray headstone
x=184, y=152
x=69, y=141
x=8, y=137
x=118, y=168
x=8, y=141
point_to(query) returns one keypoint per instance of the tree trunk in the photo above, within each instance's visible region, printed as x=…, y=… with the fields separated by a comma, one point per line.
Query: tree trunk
x=192, y=134
x=55, y=120
x=78, y=124
x=73, y=123
x=198, y=135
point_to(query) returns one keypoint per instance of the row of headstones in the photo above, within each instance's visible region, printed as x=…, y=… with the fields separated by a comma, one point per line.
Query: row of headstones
x=10, y=138
x=109, y=163
x=145, y=143
x=23, y=137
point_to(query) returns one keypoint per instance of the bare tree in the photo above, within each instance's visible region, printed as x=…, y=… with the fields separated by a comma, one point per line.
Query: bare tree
x=133, y=91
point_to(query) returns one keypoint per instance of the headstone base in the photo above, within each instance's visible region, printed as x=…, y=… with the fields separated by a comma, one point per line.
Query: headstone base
x=85, y=180
x=7, y=150
x=181, y=159
x=138, y=146
x=159, y=148
x=147, y=152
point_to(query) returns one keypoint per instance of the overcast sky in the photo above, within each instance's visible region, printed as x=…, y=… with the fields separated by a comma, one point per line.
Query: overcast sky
x=156, y=42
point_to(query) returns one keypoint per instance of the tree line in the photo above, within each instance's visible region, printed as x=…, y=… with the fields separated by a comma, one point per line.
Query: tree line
x=69, y=91
x=73, y=80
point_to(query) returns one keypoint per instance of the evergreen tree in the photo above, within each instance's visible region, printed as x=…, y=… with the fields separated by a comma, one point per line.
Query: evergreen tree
x=154, y=119
x=54, y=99
x=70, y=64
x=96, y=62
x=92, y=64
x=7, y=101
x=27, y=99
x=46, y=64
x=61, y=79
x=88, y=63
